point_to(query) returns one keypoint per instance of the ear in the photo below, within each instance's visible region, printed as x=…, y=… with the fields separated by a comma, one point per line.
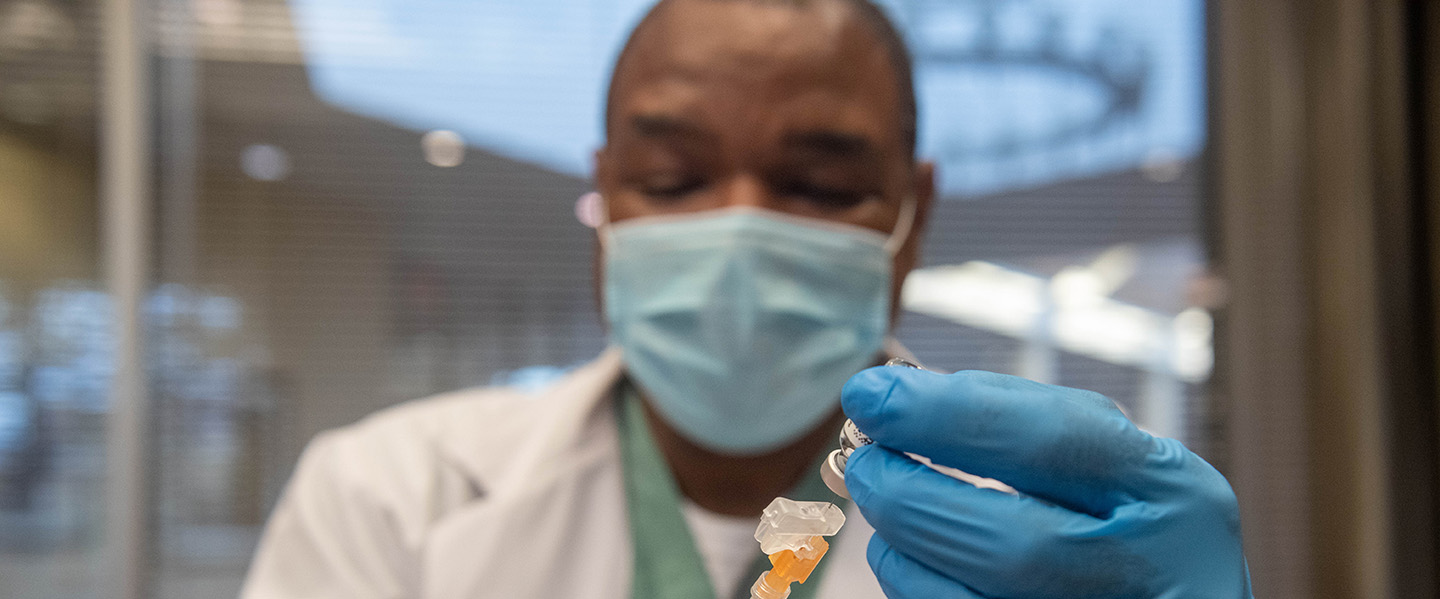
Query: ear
x=923, y=186
x=603, y=178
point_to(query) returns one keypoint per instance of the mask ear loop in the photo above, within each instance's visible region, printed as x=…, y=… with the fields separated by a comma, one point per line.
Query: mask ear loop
x=901, y=234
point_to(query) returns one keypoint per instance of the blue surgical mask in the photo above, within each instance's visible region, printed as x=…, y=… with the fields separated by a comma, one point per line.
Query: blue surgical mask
x=741, y=325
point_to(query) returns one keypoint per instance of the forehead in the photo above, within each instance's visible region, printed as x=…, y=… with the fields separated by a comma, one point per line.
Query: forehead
x=740, y=61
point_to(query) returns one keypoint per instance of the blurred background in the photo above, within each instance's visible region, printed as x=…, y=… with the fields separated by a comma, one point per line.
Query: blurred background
x=227, y=225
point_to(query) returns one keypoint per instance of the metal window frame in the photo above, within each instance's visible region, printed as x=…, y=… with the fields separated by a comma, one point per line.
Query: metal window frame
x=126, y=166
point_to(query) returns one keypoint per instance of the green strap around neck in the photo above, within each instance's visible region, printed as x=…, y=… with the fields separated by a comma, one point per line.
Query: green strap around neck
x=666, y=563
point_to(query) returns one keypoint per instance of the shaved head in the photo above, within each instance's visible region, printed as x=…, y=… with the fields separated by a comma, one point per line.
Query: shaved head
x=863, y=11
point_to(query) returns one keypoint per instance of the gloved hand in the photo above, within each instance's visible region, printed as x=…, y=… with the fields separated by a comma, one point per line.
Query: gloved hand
x=1103, y=510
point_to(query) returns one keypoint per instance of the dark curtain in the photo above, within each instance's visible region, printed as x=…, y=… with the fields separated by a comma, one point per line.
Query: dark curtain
x=1325, y=161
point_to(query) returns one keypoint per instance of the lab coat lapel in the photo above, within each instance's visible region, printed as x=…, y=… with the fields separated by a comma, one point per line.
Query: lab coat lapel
x=552, y=520
x=565, y=538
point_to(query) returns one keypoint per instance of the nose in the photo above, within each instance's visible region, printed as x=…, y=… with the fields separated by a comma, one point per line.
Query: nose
x=748, y=190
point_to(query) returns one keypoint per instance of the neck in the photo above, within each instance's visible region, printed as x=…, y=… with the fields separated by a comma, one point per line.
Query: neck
x=739, y=485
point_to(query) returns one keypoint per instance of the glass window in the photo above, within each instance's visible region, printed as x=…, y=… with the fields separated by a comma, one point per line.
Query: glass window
x=362, y=202
x=1068, y=246
x=55, y=322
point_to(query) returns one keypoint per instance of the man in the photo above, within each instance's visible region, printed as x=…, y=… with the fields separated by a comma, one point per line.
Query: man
x=763, y=206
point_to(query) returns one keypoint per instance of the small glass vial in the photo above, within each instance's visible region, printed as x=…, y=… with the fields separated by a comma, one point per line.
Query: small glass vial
x=851, y=438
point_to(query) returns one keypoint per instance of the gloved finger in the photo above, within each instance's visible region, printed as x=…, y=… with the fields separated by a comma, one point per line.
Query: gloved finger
x=993, y=542
x=904, y=578
x=1055, y=443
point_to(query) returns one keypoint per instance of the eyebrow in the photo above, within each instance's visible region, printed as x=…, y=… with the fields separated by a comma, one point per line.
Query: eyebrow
x=660, y=125
x=832, y=143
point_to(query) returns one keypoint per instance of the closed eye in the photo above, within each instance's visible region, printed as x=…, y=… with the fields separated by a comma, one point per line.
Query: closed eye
x=671, y=187
x=825, y=196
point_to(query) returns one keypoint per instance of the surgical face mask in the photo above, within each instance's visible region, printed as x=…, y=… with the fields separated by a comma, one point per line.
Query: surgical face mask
x=741, y=325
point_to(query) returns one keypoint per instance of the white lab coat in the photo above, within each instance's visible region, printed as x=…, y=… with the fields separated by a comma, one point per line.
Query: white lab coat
x=478, y=494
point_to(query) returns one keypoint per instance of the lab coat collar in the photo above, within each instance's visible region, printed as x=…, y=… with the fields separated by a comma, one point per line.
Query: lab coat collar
x=567, y=424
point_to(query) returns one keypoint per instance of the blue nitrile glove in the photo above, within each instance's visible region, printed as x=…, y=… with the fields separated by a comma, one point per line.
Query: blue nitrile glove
x=1104, y=509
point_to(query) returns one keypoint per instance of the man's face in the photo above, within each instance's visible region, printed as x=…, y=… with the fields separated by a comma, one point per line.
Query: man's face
x=796, y=110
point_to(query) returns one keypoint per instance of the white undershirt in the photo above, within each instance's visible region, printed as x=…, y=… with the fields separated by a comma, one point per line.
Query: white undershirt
x=726, y=544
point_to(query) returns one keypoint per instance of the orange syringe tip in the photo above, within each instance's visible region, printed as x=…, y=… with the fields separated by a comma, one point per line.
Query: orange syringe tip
x=788, y=567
